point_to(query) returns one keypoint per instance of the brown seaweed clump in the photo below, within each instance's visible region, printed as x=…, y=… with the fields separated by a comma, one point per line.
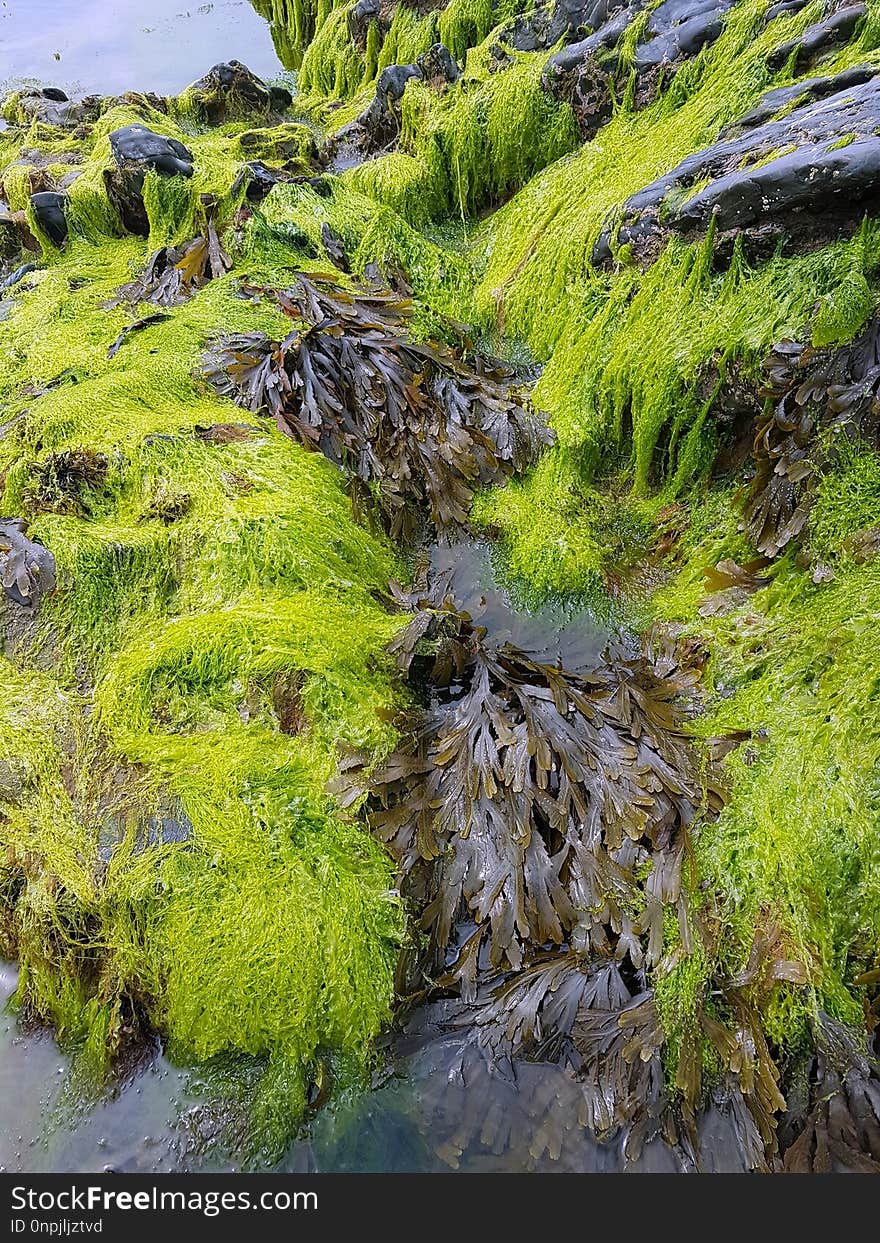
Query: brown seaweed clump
x=541, y=821
x=174, y=273
x=67, y=482
x=815, y=395
x=414, y=424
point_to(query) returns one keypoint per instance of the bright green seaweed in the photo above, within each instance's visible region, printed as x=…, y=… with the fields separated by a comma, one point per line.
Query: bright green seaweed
x=147, y=692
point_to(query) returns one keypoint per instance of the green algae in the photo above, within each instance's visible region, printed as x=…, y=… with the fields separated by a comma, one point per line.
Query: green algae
x=170, y=858
x=798, y=840
x=847, y=500
x=148, y=691
x=473, y=145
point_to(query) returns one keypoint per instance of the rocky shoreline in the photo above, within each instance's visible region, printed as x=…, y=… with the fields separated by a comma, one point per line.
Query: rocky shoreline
x=599, y=284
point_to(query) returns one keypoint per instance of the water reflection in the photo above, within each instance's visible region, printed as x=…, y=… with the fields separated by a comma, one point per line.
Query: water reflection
x=575, y=637
x=96, y=46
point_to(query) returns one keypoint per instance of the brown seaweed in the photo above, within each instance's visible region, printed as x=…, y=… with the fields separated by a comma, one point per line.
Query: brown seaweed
x=549, y=808
x=540, y=820
x=174, y=273
x=814, y=394
x=65, y=482
x=414, y=423
x=27, y=569
x=138, y=326
x=841, y=1132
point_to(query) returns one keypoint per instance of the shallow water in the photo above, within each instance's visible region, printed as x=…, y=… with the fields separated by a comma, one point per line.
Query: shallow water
x=573, y=637
x=110, y=46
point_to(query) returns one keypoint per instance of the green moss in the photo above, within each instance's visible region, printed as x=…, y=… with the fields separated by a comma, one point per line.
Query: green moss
x=148, y=694
x=551, y=525
x=372, y=233
x=847, y=498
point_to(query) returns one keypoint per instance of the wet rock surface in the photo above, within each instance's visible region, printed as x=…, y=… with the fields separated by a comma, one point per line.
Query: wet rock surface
x=818, y=40
x=137, y=149
x=807, y=178
x=590, y=73
x=135, y=144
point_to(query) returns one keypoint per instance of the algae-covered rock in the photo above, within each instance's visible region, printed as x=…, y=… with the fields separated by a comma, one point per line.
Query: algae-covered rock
x=591, y=73
x=638, y=206
x=808, y=177
x=136, y=150
x=230, y=91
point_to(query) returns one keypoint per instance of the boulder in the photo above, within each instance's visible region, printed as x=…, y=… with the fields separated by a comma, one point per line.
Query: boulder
x=808, y=177
x=591, y=73
x=136, y=150
x=818, y=40
x=49, y=211
x=231, y=90
x=379, y=124
x=360, y=18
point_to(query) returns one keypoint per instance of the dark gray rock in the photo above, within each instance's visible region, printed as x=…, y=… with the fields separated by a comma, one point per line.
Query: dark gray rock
x=438, y=65
x=785, y=6
x=809, y=90
x=567, y=20
x=360, y=17
x=48, y=207
x=11, y=241
x=261, y=180
x=378, y=126
x=135, y=150
x=820, y=39
x=589, y=75
x=230, y=90
x=50, y=106
x=823, y=180
x=23, y=270
x=135, y=144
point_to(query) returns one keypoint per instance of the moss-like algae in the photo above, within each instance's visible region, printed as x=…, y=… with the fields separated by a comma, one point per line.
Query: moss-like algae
x=169, y=855
x=168, y=846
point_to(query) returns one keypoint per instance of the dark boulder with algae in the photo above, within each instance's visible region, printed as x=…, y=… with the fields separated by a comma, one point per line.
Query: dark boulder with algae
x=806, y=178
x=598, y=283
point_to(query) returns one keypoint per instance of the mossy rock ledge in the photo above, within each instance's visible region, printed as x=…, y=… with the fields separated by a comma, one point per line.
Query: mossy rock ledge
x=600, y=284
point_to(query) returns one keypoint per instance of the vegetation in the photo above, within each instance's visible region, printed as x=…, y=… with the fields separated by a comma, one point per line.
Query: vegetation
x=662, y=872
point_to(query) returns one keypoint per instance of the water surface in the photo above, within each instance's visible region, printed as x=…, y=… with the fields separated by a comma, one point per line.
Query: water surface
x=109, y=46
